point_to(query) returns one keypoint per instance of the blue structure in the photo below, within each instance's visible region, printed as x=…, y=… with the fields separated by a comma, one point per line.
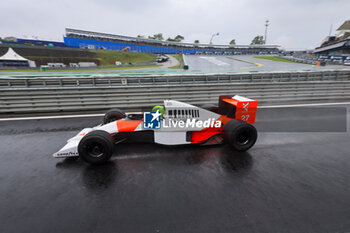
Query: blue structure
x=99, y=41
x=95, y=40
x=97, y=44
x=14, y=64
x=40, y=43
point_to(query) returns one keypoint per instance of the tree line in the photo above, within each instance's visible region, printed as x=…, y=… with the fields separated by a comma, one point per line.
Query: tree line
x=159, y=36
x=258, y=40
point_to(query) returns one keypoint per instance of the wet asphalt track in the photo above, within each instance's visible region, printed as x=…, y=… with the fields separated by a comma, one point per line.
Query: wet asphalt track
x=245, y=63
x=197, y=64
x=288, y=182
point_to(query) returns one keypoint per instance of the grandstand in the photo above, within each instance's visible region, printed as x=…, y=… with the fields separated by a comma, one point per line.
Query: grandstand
x=78, y=45
x=338, y=44
x=95, y=40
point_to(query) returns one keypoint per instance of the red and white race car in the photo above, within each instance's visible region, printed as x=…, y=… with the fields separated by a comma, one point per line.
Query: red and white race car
x=175, y=123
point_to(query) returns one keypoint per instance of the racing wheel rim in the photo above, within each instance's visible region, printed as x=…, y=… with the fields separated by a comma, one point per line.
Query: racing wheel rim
x=95, y=150
x=243, y=137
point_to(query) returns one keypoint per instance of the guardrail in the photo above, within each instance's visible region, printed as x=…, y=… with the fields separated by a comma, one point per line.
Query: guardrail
x=300, y=60
x=313, y=60
x=173, y=79
x=82, y=69
x=21, y=95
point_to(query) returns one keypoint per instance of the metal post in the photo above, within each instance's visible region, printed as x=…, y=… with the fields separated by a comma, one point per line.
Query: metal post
x=211, y=39
x=266, y=26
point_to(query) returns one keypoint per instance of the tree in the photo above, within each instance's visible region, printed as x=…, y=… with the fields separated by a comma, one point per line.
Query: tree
x=258, y=40
x=140, y=36
x=196, y=41
x=233, y=42
x=170, y=39
x=158, y=36
x=179, y=38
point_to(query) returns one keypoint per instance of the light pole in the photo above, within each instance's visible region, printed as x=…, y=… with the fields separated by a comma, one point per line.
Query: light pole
x=266, y=26
x=211, y=39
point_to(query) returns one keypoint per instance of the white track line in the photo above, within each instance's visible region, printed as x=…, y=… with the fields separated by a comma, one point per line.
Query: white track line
x=49, y=117
x=101, y=114
x=303, y=105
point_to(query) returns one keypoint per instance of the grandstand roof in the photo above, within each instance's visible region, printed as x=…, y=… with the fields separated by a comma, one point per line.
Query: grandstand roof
x=129, y=38
x=336, y=45
x=12, y=56
x=344, y=26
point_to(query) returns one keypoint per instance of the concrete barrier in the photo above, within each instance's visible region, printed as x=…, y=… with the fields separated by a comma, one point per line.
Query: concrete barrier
x=23, y=95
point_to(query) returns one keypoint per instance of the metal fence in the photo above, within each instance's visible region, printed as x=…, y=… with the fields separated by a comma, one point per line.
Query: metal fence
x=22, y=95
x=173, y=79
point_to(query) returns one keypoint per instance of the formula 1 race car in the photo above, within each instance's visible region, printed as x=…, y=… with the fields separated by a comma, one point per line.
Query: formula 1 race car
x=175, y=123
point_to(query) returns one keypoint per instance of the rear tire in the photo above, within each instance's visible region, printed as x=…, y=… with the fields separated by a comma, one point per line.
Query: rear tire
x=239, y=135
x=113, y=115
x=96, y=147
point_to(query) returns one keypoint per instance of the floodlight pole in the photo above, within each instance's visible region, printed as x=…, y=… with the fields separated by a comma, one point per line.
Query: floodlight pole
x=266, y=26
x=211, y=39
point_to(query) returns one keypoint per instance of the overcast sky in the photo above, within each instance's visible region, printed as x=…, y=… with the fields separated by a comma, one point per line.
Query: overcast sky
x=295, y=24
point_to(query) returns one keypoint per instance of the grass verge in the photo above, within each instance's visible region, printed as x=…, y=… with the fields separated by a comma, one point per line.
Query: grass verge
x=110, y=57
x=273, y=58
x=180, y=60
x=93, y=69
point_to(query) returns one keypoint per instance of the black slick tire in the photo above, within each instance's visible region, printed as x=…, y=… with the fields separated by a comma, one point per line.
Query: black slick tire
x=96, y=147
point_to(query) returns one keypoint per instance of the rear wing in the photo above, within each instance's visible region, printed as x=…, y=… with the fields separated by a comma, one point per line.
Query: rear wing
x=238, y=107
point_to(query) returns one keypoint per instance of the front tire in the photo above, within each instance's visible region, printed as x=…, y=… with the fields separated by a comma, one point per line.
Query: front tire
x=239, y=135
x=96, y=147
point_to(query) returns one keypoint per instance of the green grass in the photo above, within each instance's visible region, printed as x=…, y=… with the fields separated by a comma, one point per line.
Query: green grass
x=110, y=57
x=106, y=58
x=180, y=60
x=92, y=69
x=273, y=58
